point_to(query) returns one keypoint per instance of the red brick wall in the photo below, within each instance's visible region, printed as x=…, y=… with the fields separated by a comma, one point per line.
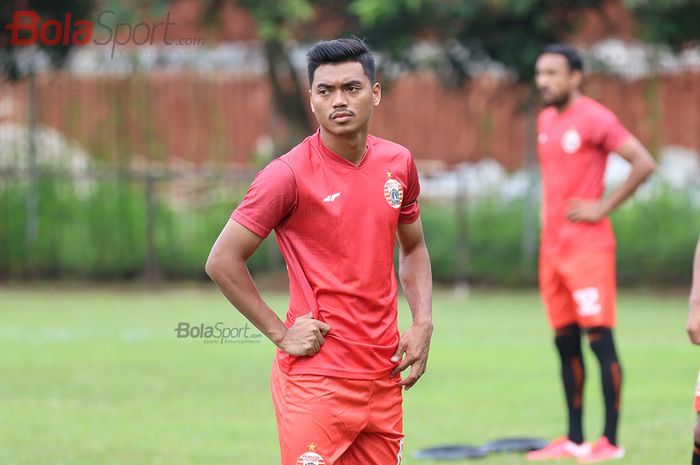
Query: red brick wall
x=198, y=120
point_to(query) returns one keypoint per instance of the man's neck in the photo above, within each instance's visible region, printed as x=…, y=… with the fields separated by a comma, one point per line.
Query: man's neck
x=573, y=97
x=351, y=147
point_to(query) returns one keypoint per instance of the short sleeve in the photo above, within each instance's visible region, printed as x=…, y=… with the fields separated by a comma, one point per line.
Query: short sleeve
x=410, y=210
x=610, y=134
x=271, y=198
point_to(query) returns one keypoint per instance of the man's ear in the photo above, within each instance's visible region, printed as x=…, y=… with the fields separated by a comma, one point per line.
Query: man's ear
x=377, y=93
x=577, y=77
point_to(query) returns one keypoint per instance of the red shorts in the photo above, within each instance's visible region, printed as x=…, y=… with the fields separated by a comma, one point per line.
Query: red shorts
x=697, y=394
x=323, y=420
x=579, y=288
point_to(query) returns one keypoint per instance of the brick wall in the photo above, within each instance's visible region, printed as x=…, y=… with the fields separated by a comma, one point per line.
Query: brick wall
x=191, y=119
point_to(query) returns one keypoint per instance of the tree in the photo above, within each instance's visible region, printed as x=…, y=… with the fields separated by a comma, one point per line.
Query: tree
x=672, y=22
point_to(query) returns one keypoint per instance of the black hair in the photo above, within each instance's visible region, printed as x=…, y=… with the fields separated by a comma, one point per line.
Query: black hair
x=338, y=51
x=573, y=58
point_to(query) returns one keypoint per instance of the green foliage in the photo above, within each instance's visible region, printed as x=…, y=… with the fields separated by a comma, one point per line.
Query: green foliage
x=511, y=32
x=277, y=21
x=672, y=22
x=494, y=237
x=100, y=233
x=655, y=240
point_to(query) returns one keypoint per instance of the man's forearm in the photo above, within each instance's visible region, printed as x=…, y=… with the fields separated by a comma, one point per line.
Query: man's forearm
x=236, y=284
x=417, y=282
x=642, y=167
x=638, y=175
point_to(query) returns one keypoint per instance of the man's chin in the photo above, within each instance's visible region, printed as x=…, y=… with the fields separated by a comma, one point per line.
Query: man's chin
x=341, y=128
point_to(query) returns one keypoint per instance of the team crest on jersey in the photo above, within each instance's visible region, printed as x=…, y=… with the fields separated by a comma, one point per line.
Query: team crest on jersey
x=310, y=458
x=393, y=193
x=571, y=141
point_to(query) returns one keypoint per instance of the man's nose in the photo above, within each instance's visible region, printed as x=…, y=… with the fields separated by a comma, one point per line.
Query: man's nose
x=339, y=100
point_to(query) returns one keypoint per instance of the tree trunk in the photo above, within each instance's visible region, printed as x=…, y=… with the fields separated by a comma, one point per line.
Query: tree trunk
x=287, y=95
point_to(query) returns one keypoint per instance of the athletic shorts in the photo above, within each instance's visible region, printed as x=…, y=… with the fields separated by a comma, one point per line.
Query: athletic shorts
x=323, y=420
x=579, y=288
x=697, y=394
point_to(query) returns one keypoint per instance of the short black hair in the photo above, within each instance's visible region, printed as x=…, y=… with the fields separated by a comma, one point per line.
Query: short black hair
x=340, y=50
x=573, y=58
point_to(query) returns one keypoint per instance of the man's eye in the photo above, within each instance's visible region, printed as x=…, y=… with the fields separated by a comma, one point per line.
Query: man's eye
x=323, y=91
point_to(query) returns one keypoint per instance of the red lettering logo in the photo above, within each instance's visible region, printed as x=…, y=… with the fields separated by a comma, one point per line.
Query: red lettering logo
x=50, y=32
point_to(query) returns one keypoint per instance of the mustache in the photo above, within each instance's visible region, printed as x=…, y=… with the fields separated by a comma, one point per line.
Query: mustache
x=343, y=111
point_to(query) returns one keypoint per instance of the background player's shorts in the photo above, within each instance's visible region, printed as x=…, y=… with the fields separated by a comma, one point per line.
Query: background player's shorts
x=579, y=288
x=323, y=420
x=697, y=394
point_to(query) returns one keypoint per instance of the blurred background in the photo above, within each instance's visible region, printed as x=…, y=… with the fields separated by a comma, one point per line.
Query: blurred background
x=122, y=155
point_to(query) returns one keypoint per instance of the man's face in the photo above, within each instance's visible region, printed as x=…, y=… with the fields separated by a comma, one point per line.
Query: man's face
x=342, y=97
x=555, y=80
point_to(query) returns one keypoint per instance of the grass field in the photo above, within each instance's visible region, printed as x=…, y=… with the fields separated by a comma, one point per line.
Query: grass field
x=99, y=377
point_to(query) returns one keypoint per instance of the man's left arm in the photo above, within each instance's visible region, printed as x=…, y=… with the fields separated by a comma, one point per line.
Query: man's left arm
x=417, y=283
x=642, y=166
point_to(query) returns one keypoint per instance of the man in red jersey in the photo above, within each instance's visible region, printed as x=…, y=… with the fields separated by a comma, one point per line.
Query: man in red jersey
x=337, y=202
x=577, y=252
x=693, y=329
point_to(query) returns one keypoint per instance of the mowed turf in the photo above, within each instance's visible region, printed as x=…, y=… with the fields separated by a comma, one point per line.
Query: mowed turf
x=99, y=377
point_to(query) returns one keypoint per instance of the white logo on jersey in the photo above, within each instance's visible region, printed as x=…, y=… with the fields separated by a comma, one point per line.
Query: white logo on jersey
x=310, y=458
x=332, y=197
x=588, y=300
x=393, y=193
x=571, y=141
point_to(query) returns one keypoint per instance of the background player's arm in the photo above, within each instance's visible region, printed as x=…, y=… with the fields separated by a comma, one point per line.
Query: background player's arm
x=693, y=324
x=226, y=266
x=417, y=283
x=642, y=166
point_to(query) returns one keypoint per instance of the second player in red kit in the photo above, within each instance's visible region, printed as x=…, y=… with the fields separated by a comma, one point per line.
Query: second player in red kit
x=577, y=249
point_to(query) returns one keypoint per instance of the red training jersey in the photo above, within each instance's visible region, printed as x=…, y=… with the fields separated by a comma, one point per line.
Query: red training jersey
x=573, y=147
x=335, y=224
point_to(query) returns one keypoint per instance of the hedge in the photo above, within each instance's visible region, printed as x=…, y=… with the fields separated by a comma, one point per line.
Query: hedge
x=99, y=232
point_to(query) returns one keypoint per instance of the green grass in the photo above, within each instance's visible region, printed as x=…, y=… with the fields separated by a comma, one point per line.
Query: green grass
x=98, y=377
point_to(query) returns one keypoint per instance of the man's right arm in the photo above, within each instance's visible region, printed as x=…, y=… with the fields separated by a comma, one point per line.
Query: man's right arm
x=693, y=324
x=227, y=267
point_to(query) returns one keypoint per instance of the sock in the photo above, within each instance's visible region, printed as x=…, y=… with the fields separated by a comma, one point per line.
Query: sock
x=696, y=454
x=568, y=342
x=603, y=345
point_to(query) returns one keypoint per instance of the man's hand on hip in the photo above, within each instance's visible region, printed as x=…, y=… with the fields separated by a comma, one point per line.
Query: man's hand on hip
x=305, y=337
x=585, y=211
x=415, y=344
